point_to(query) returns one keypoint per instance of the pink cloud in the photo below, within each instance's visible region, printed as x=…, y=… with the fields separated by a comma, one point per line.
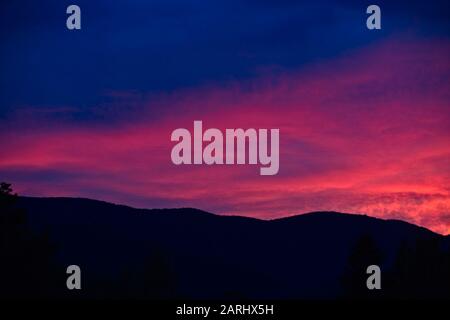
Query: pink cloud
x=366, y=133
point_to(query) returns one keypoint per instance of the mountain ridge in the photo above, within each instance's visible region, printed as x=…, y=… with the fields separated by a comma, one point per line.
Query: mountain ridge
x=191, y=210
x=201, y=255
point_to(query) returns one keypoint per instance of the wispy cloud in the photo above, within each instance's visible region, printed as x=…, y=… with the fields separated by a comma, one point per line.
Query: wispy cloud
x=365, y=133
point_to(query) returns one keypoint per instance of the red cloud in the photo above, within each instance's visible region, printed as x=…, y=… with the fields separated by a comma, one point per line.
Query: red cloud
x=367, y=133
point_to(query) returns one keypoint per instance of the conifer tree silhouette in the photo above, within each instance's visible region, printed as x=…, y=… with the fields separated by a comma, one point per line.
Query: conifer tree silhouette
x=354, y=279
x=26, y=268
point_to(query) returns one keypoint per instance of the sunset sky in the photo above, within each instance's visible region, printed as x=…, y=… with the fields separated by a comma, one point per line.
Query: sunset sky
x=364, y=116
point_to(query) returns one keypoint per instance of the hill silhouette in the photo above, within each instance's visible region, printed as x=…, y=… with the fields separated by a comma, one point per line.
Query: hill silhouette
x=125, y=252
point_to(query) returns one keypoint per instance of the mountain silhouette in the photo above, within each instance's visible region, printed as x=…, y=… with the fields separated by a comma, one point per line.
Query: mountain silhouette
x=125, y=252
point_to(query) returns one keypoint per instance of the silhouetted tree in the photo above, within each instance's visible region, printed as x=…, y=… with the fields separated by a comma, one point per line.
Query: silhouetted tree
x=364, y=254
x=421, y=271
x=154, y=278
x=159, y=278
x=26, y=268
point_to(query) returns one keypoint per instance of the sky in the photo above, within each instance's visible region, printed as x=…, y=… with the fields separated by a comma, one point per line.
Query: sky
x=364, y=116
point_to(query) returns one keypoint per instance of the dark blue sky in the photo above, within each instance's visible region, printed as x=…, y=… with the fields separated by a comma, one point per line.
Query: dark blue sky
x=147, y=47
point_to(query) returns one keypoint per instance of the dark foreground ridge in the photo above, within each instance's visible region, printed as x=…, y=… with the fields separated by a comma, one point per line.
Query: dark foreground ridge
x=191, y=254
